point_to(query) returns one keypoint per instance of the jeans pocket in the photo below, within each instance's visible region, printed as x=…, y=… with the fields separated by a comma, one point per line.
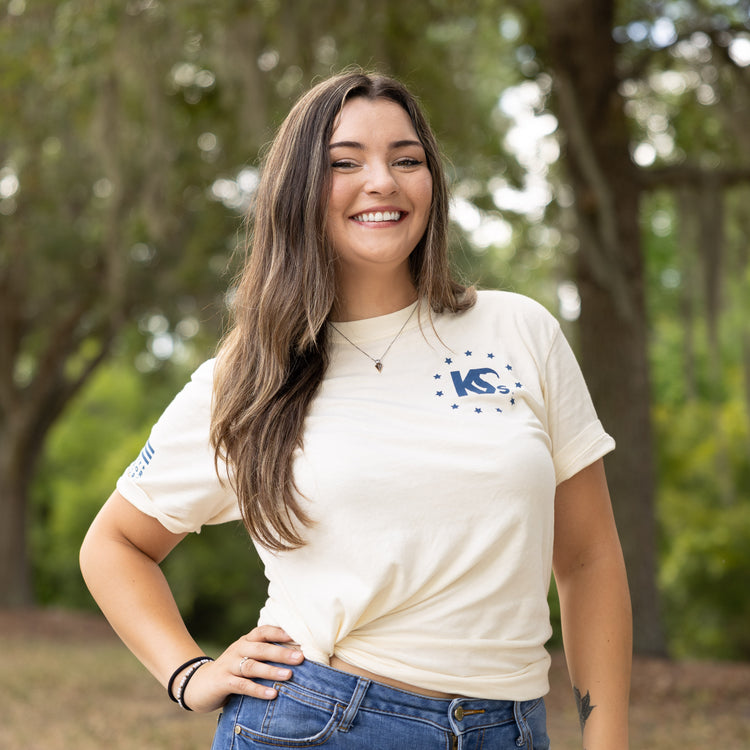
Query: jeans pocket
x=297, y=717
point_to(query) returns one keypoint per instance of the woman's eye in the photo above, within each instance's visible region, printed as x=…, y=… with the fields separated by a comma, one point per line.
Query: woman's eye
x=408, y=161
x=343, y=164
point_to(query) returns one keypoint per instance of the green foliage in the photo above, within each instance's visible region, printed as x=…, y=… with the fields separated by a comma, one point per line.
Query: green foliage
x=87, y=451
x=704, y=512
x=118, y=119
x=702, y=419
x=218, y=582
x=216, y=576
x=553, y=601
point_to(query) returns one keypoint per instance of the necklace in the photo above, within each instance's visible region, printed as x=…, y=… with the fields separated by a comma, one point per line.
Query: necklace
x=379, y=360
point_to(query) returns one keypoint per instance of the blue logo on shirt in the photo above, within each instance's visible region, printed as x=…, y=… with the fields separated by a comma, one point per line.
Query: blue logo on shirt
x=500, y=384
x=474, y=383
x=139, y=465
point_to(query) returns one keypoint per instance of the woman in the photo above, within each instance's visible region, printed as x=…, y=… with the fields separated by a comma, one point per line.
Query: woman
x=410, y=457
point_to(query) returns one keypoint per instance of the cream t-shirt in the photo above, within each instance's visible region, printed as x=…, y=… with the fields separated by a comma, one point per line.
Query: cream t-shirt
x=432, y=488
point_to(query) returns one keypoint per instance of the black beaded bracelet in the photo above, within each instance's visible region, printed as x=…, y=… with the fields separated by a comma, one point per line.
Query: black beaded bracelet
x=170, y=684
x=184, y=682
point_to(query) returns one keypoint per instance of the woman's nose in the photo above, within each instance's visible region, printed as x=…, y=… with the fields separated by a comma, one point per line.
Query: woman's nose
x=381, y=180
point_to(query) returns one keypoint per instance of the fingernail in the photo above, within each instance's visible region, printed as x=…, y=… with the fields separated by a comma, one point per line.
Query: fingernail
x=297, y=655
x=284, y=673
x=270, y=693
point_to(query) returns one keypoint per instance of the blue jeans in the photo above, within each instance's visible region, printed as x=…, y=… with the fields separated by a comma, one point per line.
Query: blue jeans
x=334, y=710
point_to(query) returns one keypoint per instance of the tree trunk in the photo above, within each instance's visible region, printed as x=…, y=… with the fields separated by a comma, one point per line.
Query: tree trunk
x=15, y=567
x=688, y=242
x=614, y=358
x=609, y=268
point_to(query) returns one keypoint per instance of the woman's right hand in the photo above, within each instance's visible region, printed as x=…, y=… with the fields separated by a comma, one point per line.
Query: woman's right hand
x=234, y=671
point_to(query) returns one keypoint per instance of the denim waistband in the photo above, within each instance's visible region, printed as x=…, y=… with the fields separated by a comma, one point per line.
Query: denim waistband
x=457, y=715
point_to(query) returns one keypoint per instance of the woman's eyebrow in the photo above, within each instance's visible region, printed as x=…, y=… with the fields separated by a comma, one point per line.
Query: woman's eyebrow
x=347, y=144
x=357, y=145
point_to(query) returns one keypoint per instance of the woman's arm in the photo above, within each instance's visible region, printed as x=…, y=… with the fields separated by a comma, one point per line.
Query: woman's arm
x=595, y=606
x=120, y=559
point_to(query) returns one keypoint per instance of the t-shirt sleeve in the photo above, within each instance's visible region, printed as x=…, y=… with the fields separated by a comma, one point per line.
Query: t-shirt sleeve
x=578, y=437
x=174, y=479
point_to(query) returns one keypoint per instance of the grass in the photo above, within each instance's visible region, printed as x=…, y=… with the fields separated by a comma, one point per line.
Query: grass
x=67, y=684
x=86, y=696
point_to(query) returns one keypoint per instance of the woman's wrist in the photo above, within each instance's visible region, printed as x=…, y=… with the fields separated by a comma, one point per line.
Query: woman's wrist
x=185, y=670
x=180, y=692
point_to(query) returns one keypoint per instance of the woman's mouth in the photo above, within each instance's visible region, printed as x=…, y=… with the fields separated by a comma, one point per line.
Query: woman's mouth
x=376, y=216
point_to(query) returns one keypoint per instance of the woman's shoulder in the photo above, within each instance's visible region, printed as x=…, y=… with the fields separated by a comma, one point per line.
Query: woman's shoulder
x=197, y=391
x=204, y=373
x=505, y=303
x=199, y=386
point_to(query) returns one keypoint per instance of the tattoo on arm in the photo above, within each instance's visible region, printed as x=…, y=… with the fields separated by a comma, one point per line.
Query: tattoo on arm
x=584, y=706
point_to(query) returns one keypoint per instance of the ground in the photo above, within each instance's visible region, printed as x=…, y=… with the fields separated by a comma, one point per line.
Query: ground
x=67, y=683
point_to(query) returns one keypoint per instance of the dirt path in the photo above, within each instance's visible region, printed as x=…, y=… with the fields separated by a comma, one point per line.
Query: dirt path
x=66, y=683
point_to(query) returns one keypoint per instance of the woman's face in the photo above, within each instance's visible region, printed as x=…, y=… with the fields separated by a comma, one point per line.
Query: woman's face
x=381, y=188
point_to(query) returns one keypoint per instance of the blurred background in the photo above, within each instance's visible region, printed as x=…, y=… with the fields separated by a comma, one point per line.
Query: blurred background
x=599, y=156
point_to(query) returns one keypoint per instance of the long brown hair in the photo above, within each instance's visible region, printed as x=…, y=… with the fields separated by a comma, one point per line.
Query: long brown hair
x=273, y=360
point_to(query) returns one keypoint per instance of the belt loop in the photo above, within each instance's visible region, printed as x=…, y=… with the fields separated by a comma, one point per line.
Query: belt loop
x=523, y=727
x=351, y=710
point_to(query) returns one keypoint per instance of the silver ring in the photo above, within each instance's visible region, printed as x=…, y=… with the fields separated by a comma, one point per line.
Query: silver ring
x=242, y=662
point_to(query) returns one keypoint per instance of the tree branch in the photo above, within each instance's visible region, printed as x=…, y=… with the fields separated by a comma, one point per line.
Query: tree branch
x=691, y=174
x=63, y=390
x=641, y=62
x=40, y=415
x=63, y=340
x=604, y=265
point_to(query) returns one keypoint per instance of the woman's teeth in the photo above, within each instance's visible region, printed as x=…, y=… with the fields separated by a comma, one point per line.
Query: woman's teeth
x=379, y=216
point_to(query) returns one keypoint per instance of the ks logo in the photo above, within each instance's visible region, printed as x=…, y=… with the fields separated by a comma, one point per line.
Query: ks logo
x=474, y=382
x=483, y=381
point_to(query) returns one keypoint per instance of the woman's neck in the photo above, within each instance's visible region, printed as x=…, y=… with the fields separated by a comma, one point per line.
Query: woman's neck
x=370, y=300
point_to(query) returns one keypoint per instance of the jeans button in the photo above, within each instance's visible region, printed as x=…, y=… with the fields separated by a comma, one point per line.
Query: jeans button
x=458, y=713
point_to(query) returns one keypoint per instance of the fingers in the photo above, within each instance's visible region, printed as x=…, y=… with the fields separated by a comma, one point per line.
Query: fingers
x=245, y=661
x=261, y=650
x=252, y=669
x=268, y=633
x=256, y=654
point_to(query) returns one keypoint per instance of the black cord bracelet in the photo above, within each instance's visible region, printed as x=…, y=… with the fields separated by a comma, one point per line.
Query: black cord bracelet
x=184, y=682
x=170, y=684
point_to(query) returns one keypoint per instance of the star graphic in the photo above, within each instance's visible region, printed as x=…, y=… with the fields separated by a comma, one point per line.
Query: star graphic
x=448, y=361
x=437, y=376
x=467, y=353
x=490, y=356
x=438, y=393
x=454, y=406
x=518, y=385
x=478, y=410
x=508, y=368
x=512, y=402
x=499, y=410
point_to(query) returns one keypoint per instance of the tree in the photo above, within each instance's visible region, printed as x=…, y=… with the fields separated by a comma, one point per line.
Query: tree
x=98, y=227
x=129, y=139
x=609, y=274
x=127, y=133
x=596, y=51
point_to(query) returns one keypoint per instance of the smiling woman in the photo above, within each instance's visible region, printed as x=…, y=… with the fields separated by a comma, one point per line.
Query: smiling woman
x=378, y=207
x=408, y=516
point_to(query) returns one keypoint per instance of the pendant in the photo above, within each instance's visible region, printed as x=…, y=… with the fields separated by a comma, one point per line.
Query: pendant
x=378, y=365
